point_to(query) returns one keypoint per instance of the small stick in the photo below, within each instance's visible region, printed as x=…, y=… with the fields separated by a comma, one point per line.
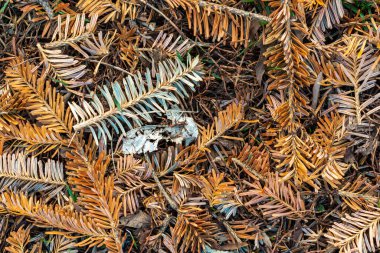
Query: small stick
x=163, y=191
x=235, y=11
x=109, y=65
x=46, y=6
x=174, y=25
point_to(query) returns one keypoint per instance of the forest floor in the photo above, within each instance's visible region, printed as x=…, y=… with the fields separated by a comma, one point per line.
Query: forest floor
x=189, y=126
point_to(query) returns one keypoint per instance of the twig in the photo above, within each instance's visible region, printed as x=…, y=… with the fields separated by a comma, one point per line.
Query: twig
x=163, y=191
x=109, y=65
x=46, y=6
x=174, y=25
x=164, y=16
x=239, y=12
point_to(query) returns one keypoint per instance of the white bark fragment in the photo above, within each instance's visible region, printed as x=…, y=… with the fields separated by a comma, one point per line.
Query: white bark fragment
x=146, y=138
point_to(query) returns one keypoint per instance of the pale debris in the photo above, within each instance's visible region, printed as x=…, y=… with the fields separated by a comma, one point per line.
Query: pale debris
x=146, y=138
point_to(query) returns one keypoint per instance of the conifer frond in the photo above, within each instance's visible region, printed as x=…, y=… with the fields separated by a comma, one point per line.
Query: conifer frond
x=110, y=10
x=254, y=161
x=163, y=163
x=155, y=205
x=185, y=181
x=287, y=114
x=129, y=192
x=128, y=164
x=128, y=45
x=330, y=149
x=221, y=195
x=58, y=218
x=129, y=53
x=276, y=199
x=18, y=241
x=358, y=232
x=162, y=48
x=193, y=230
x=224, y=121
x=287, y=75
x=356, y=94
x=81, y=36
x=72, y=30
x=96, y=193
x=97, y=45
x=33, y=139
x=361, y=70
x=247, y=230
x=41, y=99
x=294, y=154
x=218, y=21
x=61, y=244
x=327, y=15
x=285, y=58
x=28, y=174
x=64, y=67
x=164, y=42
x=137, y=99
x=128, y=183
x=359, y=194
x=159, y=241
x=129, y=175
x=10, y=107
